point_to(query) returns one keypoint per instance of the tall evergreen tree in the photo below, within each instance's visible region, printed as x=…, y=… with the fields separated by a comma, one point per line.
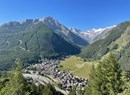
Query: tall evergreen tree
x=16, y=85
x=126, y=86
x=106, y=78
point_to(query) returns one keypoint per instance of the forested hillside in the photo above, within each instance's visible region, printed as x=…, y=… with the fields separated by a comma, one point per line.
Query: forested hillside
x=29, y=41
x=117, y=41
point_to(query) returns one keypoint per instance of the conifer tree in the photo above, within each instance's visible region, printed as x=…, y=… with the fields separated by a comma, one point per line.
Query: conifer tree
x=106, y=78
x=16, y=84
x=126, y=86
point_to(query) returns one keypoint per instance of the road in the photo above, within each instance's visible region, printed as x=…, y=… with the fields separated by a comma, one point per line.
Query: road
x=44, y=80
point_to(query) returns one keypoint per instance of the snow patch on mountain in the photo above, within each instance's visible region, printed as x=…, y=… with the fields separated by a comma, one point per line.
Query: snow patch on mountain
x=67, y=33
x=91, y=35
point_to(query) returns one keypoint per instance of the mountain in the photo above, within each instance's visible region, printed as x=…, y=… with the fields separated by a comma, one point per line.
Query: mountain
x=39, y=38
x=32, y=38
x=93, y=34
x=53, y=24
x=64, y=32
x=96, y=34
x=117, y=41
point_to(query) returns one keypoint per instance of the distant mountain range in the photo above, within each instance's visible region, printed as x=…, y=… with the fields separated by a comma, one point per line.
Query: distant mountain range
x=93, y=34
x=97, y=34
x=32, y=38
x=116, y=41
x=46, y=37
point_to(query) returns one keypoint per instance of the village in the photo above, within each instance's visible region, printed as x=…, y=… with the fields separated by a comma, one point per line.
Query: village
x=50, y=69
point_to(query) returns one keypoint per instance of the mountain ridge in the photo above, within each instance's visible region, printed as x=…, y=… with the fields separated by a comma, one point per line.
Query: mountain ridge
x=117, y=41
x=29, y=40
x=46, y=37
x=88, y=36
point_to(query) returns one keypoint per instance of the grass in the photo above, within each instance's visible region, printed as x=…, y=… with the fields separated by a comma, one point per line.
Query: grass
x=77, y=66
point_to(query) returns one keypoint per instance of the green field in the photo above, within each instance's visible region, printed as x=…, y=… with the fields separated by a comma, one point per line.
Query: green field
x=77, y=66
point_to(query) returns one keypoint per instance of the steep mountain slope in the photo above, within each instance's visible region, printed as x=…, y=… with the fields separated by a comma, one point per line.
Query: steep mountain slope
x=30, y=39
x=64, y=32
x=79, y=38
x=96, y=34
x=93, y=34
x=118, y=41
x=7, y=30
x=13, y=27
x=41, y=39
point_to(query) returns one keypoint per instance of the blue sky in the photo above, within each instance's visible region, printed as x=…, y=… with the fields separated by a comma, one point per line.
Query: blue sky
x=82, y=14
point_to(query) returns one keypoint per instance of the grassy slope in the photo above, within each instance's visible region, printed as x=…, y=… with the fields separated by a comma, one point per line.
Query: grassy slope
x=117, y=42
x=77, y=66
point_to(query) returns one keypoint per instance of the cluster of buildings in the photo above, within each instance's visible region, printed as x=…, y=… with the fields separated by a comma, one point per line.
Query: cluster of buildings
x=66, y=79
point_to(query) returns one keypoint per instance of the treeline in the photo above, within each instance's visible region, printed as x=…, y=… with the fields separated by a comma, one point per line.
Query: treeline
x=8, y=57
x=16, y=84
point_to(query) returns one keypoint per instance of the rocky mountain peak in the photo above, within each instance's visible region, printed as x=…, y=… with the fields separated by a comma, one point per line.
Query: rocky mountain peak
x=27, y=21
x=11, y=23
x=93, y=34
x=51, y=22
x=75, y=30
